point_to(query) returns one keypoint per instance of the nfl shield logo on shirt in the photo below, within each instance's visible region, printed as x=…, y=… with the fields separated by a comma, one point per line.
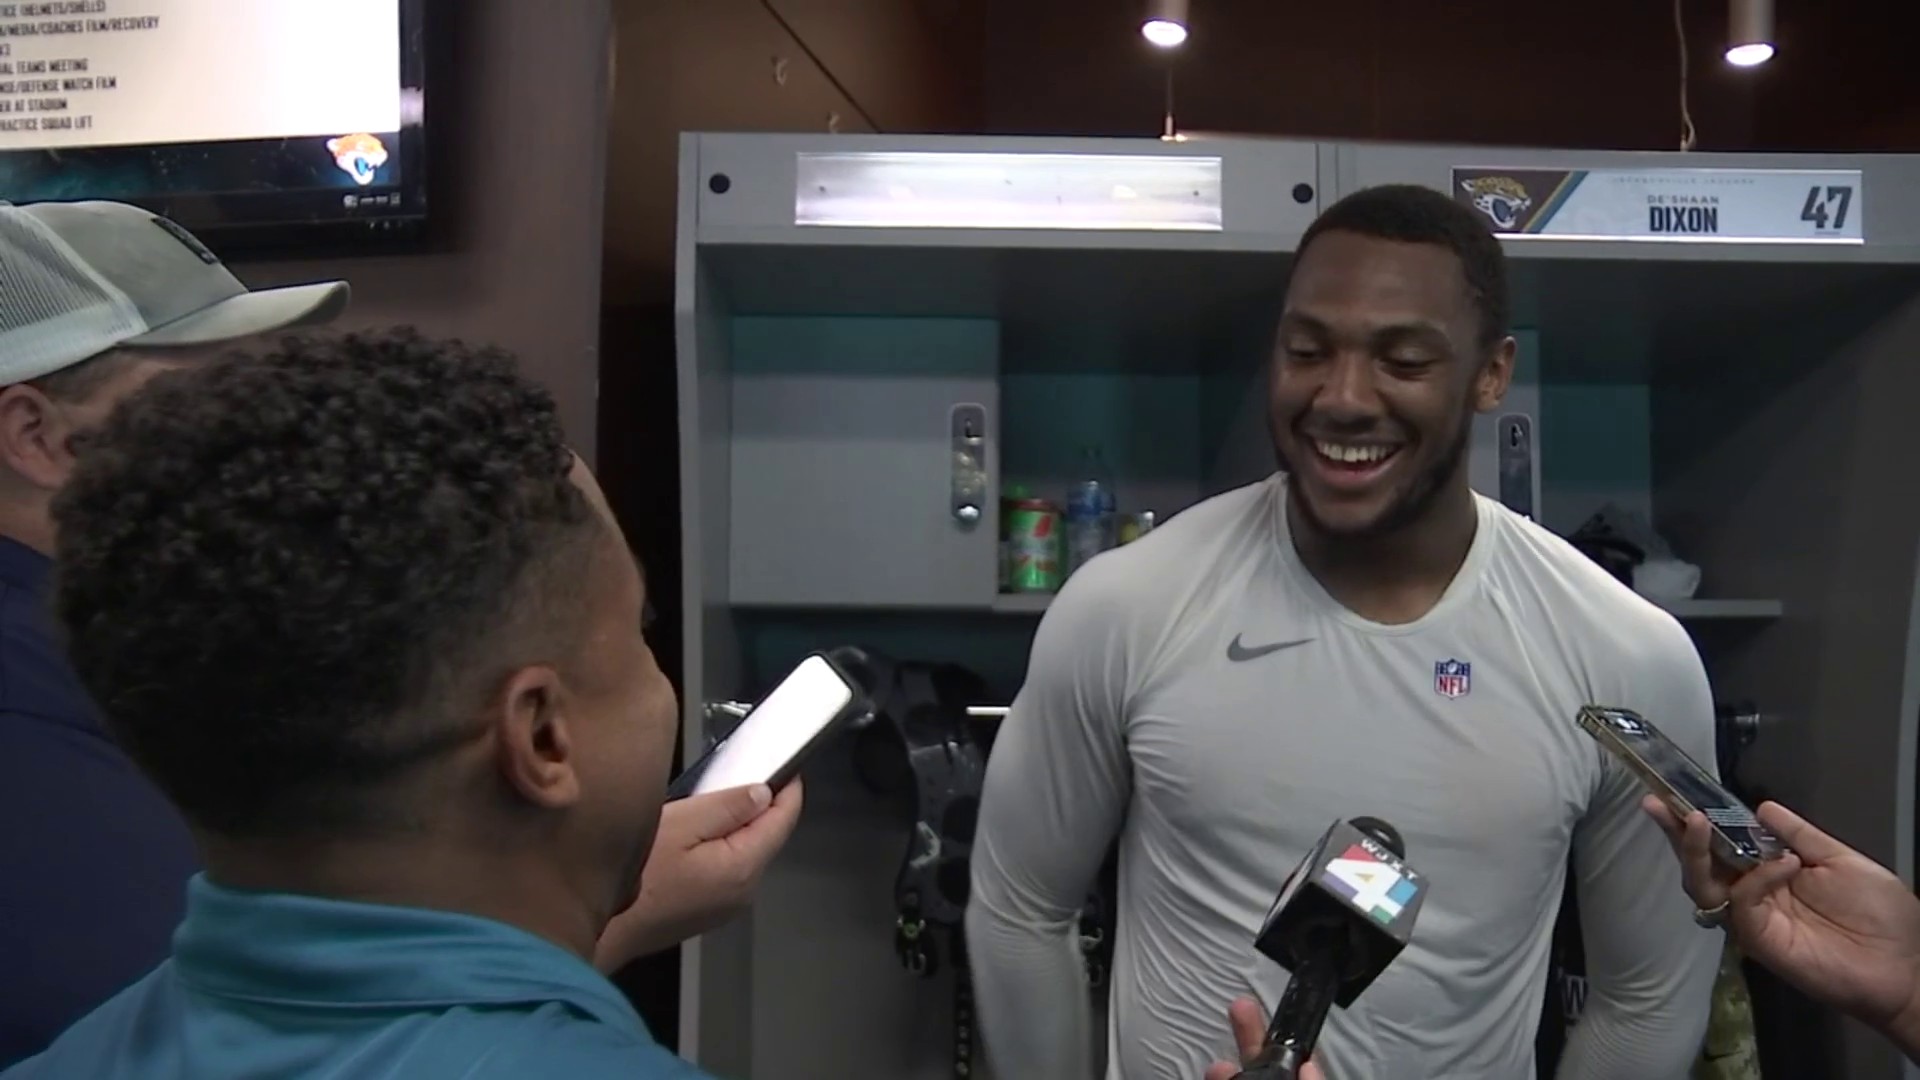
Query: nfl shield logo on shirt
x=1452, y=678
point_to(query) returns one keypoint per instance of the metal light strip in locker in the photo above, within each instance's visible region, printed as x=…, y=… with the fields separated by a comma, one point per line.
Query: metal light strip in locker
x=902, y=189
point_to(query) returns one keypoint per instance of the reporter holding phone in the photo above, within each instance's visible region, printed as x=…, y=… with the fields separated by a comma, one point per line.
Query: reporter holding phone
x=705, y=865
x=717, y=831
x=1836, y=924
x=90, y=896
x=361, y=616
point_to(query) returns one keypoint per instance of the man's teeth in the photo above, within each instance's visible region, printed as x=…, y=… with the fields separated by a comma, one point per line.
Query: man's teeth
x=1352, y=454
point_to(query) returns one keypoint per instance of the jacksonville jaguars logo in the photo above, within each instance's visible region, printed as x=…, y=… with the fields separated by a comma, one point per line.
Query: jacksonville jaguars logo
x=1502, y=198
x=359, y=156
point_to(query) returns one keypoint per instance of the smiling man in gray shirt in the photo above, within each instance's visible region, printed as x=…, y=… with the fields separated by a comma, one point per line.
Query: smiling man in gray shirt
x=1361, y=634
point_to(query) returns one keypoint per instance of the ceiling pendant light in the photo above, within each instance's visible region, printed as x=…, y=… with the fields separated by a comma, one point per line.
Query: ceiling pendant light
x=1750, y=32
x=1165, y=24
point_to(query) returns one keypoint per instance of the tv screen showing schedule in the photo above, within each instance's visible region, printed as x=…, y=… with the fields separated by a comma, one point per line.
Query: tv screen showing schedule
x=124, y=73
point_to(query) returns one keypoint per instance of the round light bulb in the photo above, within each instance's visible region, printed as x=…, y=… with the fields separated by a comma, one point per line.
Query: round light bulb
x=1749, y=55
x=1163, y=32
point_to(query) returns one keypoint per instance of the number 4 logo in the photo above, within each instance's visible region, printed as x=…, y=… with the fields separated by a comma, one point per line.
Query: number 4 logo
x=1372, y=883
x=1827, y=207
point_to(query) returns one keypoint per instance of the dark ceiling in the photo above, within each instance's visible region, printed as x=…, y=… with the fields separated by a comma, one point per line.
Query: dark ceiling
x=1546, y=72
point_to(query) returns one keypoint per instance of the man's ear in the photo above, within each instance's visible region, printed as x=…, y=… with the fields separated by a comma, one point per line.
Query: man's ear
x=1490, y=385
x=536, y=742
x=36, y=437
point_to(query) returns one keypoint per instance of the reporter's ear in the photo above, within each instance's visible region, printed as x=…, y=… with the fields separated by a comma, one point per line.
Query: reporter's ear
x=36, y=438
x=533, y=738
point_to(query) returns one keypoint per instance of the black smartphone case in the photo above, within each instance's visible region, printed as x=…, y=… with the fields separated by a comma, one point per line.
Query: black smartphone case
x=859, y=704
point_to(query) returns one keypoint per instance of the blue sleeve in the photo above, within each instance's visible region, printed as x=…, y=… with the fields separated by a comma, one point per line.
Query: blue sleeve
x=93, y=870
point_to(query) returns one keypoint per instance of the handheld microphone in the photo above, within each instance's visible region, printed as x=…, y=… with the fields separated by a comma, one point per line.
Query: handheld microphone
x=1344, y=913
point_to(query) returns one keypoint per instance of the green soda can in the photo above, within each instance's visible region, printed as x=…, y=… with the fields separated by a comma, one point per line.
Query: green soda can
x=1033, y=546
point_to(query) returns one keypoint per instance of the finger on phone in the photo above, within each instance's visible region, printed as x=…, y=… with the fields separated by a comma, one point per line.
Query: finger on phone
x=1662, y=816
x=1696, y=844
x=790, y=795
x=1222, y=1070
x=761, y=838
x=716, y=814
x=1773, y=874
x=1800, y=834
x=1671, y=827
x=1705, y=880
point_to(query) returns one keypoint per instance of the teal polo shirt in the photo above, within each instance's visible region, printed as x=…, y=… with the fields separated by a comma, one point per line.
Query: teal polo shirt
x=301, y=988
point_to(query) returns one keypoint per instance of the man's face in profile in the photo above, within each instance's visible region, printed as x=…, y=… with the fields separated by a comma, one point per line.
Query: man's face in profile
x=628, y=711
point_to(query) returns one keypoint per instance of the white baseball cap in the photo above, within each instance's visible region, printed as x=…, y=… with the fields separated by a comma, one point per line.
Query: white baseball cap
x=78, y=279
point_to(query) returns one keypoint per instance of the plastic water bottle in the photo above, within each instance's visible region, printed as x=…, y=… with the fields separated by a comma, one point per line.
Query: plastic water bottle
x=1090, y=511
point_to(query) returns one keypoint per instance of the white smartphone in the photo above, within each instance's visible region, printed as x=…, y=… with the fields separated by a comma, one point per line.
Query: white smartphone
x=816, y=699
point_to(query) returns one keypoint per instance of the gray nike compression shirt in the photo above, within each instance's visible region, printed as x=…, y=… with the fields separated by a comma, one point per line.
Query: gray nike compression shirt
x=1199, y=695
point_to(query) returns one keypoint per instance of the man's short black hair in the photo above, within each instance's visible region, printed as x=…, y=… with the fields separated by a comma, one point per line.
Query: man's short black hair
x=285, y=578
x=1412, y=214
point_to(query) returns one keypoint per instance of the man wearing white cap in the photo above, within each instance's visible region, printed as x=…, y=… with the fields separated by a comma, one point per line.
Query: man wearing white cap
x=95, y=299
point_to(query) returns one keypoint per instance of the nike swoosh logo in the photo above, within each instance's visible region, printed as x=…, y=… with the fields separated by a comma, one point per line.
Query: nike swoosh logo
x=1237, y=652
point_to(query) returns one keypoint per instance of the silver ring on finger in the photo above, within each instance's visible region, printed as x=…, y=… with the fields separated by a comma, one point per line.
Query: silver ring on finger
x=1712, y=918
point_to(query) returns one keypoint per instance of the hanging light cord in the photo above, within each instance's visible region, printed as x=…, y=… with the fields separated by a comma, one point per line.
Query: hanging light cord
x=1687, y=134
x=1168, y=131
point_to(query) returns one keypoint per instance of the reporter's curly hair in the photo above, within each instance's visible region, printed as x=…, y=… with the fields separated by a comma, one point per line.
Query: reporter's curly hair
x=287, y=579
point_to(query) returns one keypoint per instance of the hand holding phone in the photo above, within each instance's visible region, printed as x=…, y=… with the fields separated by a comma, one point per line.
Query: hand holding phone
x=768, y=747
x=705, y=865
x=1739, y=840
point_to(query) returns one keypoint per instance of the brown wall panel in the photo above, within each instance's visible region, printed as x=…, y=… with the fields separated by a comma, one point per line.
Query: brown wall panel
x=745, y=65
x=518, y=118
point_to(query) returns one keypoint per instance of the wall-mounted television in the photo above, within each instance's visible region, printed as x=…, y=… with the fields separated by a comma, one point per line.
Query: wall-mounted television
x=287, y=125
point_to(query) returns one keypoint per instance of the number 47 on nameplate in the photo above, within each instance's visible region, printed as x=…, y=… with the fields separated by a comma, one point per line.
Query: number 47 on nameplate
x=1826, y=206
